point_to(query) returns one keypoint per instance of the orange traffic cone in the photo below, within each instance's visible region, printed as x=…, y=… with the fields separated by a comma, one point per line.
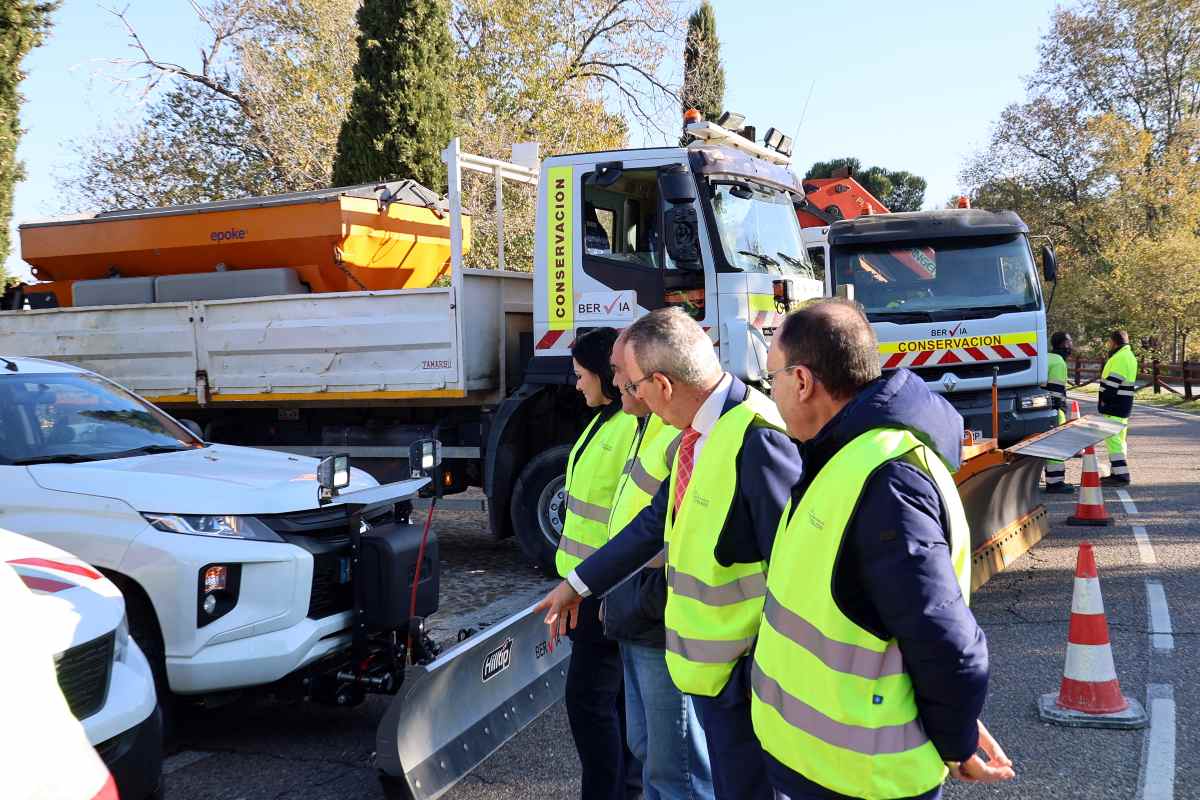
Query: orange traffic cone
x=1073, y=411
x=1090, y=694
x=1089, y=508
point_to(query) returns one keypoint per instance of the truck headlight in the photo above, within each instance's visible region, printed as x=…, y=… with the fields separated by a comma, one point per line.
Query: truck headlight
x=1035, y=401
x=214, y=525
x=121, y=640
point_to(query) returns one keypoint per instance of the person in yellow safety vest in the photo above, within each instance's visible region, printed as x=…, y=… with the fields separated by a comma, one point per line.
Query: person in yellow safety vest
x=663, y=730
x=717, y=515
x=870, y=670
x=594, y=690
x=1117, y=385
x=1056, y=382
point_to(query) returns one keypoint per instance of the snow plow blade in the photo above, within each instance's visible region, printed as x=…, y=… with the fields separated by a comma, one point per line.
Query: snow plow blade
x=1001, y=492
x=455, y=712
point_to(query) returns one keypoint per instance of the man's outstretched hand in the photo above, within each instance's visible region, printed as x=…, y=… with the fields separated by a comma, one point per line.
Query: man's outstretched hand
x=562, y=610
x=997, y=768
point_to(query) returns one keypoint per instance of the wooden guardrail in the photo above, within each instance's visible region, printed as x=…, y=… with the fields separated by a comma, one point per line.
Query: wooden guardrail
x=1185, y=374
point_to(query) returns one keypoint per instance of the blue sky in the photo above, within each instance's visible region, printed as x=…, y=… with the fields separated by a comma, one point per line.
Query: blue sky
x=905, y=89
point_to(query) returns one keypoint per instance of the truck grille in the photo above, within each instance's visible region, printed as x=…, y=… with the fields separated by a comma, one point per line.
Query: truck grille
x=323, y=532
x=966, y=371
x=83, y=673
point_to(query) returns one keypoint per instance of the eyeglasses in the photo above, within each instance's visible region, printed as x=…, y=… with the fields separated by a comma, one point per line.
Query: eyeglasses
x=631, y=387
x=782, y=370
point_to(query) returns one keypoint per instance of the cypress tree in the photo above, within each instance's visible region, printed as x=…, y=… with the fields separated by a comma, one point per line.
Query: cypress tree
x=400, y=113
x=23, y=26
x=703, y=74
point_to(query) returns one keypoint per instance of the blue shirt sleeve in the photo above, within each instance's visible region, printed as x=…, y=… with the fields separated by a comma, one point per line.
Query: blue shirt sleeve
x=905, y=569
x=768, y=468
x=629, y=550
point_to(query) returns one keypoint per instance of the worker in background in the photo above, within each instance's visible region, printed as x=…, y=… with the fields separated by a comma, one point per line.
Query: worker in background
x=870, y=671
x=661, y=724
x=1061, y=347
x=728, y=484
x=1117, y=381
x=595, y=706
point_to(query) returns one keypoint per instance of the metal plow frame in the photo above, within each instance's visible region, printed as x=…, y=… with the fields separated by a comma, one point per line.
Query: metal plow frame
x=466, y=705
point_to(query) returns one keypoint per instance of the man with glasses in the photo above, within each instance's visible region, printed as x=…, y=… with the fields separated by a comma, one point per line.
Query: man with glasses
x=729, y=481
x=870, y=671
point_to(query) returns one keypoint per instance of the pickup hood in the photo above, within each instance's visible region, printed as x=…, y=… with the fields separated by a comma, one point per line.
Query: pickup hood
x=218, y=479
x=71, y=602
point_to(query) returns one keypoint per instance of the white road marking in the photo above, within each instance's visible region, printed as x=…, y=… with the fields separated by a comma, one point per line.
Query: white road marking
x=1145, y=549
x=1127, y=501
x=1158, y=749
x=183, y=759
x=1163, y=637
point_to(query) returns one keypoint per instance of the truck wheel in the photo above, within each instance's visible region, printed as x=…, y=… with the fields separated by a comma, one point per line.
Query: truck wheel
x=539, y=506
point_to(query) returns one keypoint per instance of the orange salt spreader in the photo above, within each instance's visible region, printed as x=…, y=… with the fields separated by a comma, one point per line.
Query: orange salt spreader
x=371, y=237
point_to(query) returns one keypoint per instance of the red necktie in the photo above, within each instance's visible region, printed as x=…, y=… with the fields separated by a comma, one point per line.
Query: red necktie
x=687, y=459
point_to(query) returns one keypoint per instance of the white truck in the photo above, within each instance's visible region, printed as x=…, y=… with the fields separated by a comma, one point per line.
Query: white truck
x=239, y=567
x=954, y=296
x=60, y=610
x=483, y=364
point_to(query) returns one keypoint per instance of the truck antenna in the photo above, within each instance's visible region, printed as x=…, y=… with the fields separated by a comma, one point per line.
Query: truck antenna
x=9, y=365
x=804, y=111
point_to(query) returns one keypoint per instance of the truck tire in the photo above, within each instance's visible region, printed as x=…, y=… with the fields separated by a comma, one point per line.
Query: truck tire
x=539, y=506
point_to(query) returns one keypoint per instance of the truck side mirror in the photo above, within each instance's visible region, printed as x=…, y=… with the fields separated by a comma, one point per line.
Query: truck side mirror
x=425, y=461
x=683, y=237
x=333, y=473
x=1049, y=264
x=676, y=185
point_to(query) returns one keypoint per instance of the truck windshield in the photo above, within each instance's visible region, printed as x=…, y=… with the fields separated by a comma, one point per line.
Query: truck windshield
x=940, y=280
x=758, y=228
x=73, y=417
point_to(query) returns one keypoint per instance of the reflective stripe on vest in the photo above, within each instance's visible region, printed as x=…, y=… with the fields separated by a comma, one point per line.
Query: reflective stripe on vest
x=592, y=477
x=645, y=471
x=830, y=700
x=712, y=612
x=1117, y=383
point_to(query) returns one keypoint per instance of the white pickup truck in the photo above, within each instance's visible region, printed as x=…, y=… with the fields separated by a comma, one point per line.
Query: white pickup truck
x=59, y=610
x=235, y=574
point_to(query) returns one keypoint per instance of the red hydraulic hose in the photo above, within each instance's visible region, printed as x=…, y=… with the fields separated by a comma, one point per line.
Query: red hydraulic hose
x=412, y=603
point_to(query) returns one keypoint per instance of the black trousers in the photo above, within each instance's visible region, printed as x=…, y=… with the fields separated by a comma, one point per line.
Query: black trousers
x=739, y=769
x=596, y=710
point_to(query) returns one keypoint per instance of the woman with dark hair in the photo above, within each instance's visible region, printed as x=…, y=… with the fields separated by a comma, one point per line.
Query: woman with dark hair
x=594, y=698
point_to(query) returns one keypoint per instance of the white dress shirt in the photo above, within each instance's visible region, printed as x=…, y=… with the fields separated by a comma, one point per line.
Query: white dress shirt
x=703, y=423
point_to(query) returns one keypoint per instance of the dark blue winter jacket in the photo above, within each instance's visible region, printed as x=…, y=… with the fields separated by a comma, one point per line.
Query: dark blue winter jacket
x=894, y=576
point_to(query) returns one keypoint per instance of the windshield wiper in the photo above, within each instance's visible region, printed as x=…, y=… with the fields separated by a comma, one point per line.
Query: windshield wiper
x=976, y=312
x=900, y=317
x=795, y=262
x=62, y=458
x=763, y=258
x=148, y=450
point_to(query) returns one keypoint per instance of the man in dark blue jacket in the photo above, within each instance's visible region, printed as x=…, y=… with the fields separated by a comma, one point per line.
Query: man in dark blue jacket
x=676, y=373
x=893, y=575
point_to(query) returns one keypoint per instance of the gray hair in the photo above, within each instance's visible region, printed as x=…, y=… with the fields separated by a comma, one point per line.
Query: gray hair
x=671, y=342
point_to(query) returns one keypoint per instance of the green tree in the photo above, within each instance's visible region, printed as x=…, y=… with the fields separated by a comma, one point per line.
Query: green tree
x=401, y=115
x=23, y=26
x=1101, y=157
x=897, y=189
x=259, y=115
x=703, y=73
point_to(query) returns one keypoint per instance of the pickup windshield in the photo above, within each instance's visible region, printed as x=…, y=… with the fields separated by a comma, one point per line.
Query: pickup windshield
x=758, y=228
x=68, y=418
x=942, y=279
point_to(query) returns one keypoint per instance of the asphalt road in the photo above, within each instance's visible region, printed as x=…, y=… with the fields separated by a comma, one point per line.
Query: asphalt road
x=268, y=750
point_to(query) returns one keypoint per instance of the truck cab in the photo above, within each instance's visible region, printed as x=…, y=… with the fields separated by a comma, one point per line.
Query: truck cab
x=709, y=228
x=954, y=296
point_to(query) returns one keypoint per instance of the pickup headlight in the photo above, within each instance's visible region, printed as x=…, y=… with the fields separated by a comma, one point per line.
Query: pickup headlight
x=121, y=640
x=1035, y=401
x=208, y=525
